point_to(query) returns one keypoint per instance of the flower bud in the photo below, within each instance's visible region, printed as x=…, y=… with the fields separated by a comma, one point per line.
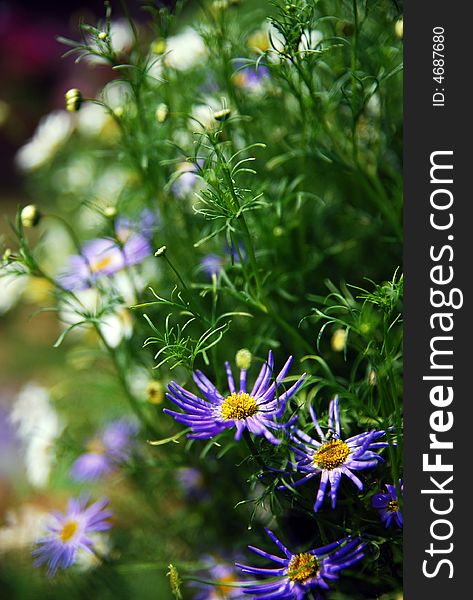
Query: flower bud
x=243, y=358
x=174, y=581
x=222, y=115
x=155, y=392
x=161, y=251
x=158, y=46
x=339, y=340
x=102, y=35
x=162, y=113
x=30, y=216
x=74, y=100
x=372, y=377
x=110, y=212
x=399, y=28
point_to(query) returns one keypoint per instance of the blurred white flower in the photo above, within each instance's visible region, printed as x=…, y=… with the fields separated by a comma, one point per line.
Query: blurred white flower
x=72, y=310
x=276, y=41
x=310, y=40
x=76, y=177
x=155, y=67
x=185, y=50
x=91, y=119
x=117, y=94
x=22, y=528
x=89, y=560
x=138, y=379
x=51, y=133
x=11, y=289
x=203, y=114
x=121, y=35
x=116, y=326
x=38, y=426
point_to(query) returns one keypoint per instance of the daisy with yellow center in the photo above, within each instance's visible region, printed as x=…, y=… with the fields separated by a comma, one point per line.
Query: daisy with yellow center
x=103, y=257
x=68, y=531
x=256, y=411
x=238, y=406
x=296, y=575
x=388, y=505
x=332, y=457
x=69, y=534
x=303, y=567
x=100, y=264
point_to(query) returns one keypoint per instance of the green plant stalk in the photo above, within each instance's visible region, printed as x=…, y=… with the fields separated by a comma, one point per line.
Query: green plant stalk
x=124, y=384
x=354, y=60
x=246, y=230
x=252, y=257
x=253, y=449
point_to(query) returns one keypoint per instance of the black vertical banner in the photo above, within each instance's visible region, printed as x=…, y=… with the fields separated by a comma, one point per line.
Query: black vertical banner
x=438, y=170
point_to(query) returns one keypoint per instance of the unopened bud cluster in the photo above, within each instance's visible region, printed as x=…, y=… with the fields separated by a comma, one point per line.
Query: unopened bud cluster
x=74, y=100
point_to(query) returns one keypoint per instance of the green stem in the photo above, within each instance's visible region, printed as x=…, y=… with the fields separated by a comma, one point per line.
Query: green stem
x=253, y=449
x=354, y=59
x=176, y=272
x=124, y=384
x=241, y=217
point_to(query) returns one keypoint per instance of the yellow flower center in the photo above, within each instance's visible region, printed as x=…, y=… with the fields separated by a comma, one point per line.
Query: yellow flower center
x=98, y=265
x=155, y=392
x=96, y=446
x=239, y=79
x=331, y=455
x=393, y=506
x=222, y=589
x=68, y=531
x=238, y=406
x=302, y=567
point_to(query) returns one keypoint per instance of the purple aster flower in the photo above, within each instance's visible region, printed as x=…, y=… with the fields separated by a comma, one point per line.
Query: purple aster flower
x=255, y=411
x=250, y=78
x=69, y=533
x=98, y=257
x=91, y=466
x=222, y=574
x=297, y=574
x=117, y=437
x=212, y=264
x=192, y=483
x=145, y=225
x=332, y=457
x=186, y=179
x=388, y=505
x=234, y=254
x=111, y=448
x=104, y=257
